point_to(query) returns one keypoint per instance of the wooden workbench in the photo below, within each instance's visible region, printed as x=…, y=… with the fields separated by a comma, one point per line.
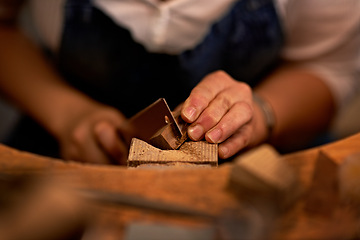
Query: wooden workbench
x=204, y=189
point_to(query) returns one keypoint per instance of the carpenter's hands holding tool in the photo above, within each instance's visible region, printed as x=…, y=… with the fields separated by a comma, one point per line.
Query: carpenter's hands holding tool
x=93, y=136
x=221, y=109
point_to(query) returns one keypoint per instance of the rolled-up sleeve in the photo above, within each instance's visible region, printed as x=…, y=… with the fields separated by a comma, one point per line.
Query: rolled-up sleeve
x=323, y=36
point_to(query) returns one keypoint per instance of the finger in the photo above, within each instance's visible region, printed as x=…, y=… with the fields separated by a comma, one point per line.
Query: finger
x=85, y=149
x=240, y=114
x=94, y=154
x=209, y=118
x=236, y=142
x=108, y=139
x=229, y=99
x=201, y=96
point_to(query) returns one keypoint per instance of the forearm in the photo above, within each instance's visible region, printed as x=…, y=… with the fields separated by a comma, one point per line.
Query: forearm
x=31, y=82
x=303, y=105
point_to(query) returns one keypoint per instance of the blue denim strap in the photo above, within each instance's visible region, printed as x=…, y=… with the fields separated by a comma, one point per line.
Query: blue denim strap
x=102, y=59
x=245, y=43
x=78, y=8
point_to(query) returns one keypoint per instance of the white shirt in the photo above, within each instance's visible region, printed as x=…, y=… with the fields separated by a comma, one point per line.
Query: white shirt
x=322, y=36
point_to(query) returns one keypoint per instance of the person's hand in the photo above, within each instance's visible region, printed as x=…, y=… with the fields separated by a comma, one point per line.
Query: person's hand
x=95, y=136
x=221, y=109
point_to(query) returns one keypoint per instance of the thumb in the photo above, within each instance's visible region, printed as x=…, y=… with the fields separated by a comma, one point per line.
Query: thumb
x=109, y=141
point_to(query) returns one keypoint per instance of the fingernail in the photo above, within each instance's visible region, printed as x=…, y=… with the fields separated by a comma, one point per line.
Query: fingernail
x=214, y=135
x=196, y=132
x=189, y=113
x=223, y=151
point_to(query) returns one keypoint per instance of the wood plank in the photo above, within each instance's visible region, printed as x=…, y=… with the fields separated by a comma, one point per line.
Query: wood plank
x=323, y=196
x=261, y=173
x=204, y=189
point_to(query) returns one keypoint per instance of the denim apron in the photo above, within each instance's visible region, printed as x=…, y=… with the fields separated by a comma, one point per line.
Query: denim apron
x=101, y=59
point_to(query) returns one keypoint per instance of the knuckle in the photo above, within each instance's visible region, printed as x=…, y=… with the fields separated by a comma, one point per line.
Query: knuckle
x=219, y=73
x=211, y=119
x=224, y=101
x=245, y=110
x=198, y=94
x=244, y=88
x=199, y=98
x=78, y=136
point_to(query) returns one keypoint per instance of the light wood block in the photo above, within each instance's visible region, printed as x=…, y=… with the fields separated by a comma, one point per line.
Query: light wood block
x=349, y=180
x=190, y=153
x=261, y=174
x=322, y=196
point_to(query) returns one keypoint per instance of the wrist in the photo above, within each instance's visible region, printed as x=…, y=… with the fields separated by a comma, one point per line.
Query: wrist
x=265, y=116
x=69, y=109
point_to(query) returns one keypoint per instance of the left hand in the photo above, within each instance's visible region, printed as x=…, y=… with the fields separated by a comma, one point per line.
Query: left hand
x=221, y=109
x=94, y=136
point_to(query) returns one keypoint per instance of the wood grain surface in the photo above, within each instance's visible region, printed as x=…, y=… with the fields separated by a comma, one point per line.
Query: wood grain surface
x=202, y=189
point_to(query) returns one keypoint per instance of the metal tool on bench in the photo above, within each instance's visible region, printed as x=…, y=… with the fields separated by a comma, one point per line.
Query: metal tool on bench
x=158, y=126
x=160, y=141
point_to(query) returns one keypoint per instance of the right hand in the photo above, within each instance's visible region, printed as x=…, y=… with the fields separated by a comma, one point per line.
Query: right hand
x=221, y=110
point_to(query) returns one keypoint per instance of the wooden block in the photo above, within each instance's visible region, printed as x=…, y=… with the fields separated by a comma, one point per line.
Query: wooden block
x=349, y=180
x=322, y=196
x=196, y=153
x=164, y=231
x=262, y=175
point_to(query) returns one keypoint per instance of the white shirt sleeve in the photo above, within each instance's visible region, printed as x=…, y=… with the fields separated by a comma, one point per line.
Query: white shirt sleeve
x=323, y=36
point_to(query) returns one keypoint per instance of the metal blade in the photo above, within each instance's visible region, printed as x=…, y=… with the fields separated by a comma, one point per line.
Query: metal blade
x=150, y=120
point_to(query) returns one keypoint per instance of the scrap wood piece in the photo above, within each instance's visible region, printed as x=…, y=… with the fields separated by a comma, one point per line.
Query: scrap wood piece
x=349, y=180
x=262, y=175
x=199, y=153
x=162, y=231
x=322, y=197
